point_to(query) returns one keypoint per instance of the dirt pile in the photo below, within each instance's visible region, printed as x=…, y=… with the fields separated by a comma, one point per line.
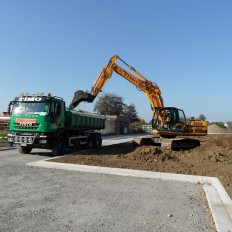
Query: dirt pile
x=151, y=154
x=216, y=129
x=218, y=150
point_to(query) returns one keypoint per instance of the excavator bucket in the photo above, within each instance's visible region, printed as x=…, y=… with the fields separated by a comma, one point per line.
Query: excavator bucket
x=80, y=96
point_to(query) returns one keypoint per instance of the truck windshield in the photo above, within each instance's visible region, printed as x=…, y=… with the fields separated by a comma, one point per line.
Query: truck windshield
x=26, y=108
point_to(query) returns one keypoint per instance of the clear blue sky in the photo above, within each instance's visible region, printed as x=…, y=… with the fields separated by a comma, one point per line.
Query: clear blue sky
x=60, y=47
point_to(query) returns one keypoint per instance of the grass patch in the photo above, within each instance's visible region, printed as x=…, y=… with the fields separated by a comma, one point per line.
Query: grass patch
x=3, y=136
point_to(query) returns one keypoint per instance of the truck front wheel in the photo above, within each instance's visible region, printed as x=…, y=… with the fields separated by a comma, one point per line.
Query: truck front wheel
x=60, y=147
x=24, y=150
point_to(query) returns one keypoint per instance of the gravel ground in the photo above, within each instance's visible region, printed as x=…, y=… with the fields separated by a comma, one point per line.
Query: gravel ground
x=37, y=199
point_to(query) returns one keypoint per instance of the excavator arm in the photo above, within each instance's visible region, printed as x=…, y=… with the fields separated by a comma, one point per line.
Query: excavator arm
x=101, y=80
x=177, y=124
x=151, y=90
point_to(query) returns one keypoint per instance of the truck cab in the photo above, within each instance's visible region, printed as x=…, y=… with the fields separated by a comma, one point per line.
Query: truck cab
x=34, y=118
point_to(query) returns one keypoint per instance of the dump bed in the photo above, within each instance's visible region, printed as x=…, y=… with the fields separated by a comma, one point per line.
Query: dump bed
x=84, y=120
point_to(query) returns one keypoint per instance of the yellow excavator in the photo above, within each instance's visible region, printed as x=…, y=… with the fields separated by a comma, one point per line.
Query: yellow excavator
x=168, y=122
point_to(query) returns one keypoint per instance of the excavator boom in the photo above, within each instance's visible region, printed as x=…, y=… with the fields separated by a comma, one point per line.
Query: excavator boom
x=151, y=90
x=167, y=121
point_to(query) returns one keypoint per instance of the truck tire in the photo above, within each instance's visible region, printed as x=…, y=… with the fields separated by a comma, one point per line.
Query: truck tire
x=90, y=142
x=24, y=150
x=11, y=144
x=97, y=141
x=60, y=147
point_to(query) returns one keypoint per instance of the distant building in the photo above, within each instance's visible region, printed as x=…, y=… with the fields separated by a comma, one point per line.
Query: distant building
x=147, y=128
x=4, y=114
x=228, y=125
x=116, y=125
x=4, y=122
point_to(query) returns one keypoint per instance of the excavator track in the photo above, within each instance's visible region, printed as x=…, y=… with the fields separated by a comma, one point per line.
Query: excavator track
x=184, y=144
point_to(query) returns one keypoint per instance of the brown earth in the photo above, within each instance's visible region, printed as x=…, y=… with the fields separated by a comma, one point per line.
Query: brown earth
x=4, y=144
x=212, y=158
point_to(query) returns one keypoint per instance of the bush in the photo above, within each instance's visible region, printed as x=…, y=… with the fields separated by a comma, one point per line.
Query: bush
x=3, y=135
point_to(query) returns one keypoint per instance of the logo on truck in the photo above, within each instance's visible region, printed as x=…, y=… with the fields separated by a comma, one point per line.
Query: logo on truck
x=30, y=98
x=26, y=121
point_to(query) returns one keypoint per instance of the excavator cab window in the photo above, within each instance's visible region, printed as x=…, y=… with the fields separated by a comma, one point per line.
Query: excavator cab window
x=179, y=122
x=169, y=119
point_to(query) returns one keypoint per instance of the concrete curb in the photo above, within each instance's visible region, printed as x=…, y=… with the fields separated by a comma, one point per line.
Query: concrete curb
x=218, y=199
x=7, y=148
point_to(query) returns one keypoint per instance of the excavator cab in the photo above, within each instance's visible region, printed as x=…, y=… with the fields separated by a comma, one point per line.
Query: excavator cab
x=169, y=121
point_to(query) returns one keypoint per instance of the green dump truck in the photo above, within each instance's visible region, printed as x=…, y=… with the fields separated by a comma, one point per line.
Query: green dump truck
x=39, y=121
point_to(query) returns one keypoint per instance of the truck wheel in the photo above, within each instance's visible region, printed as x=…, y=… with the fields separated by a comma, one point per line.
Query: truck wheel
x=60, y=147
x=24, y=150
x=97, y=141
x=90, y=142
x=11, y=144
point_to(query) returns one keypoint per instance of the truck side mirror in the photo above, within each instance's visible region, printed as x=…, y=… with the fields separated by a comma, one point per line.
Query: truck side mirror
x=10, y=107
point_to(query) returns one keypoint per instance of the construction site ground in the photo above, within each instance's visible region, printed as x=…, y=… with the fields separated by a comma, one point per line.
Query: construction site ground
x=47, y=187
x=212, y=158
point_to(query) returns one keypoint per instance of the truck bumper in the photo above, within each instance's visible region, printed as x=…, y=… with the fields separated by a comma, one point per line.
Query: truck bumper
x=32, y=140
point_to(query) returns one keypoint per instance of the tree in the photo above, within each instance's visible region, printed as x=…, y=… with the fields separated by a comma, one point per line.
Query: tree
x=202, y=117
x=130, y=112
x=112, y=104
x=109, y=104
x=137, y=126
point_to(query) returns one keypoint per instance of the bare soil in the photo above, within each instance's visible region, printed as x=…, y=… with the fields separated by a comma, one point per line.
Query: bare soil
x=4, y=144
x=212, y=158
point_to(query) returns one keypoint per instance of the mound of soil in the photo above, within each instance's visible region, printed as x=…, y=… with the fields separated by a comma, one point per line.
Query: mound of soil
x=212, y=158
x=216, y=129
x=151, y=154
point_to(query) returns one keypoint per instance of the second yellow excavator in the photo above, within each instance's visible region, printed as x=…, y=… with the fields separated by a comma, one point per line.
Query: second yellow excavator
x=168, y=122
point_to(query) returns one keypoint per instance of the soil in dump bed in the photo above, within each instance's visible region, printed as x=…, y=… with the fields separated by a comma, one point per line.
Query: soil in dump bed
x=212, y=158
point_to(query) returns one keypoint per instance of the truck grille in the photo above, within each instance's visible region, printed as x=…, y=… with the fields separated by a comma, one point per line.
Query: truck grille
x=28, y=127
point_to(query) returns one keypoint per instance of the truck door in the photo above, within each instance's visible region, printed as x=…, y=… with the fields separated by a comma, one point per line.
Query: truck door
x=57, y=113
